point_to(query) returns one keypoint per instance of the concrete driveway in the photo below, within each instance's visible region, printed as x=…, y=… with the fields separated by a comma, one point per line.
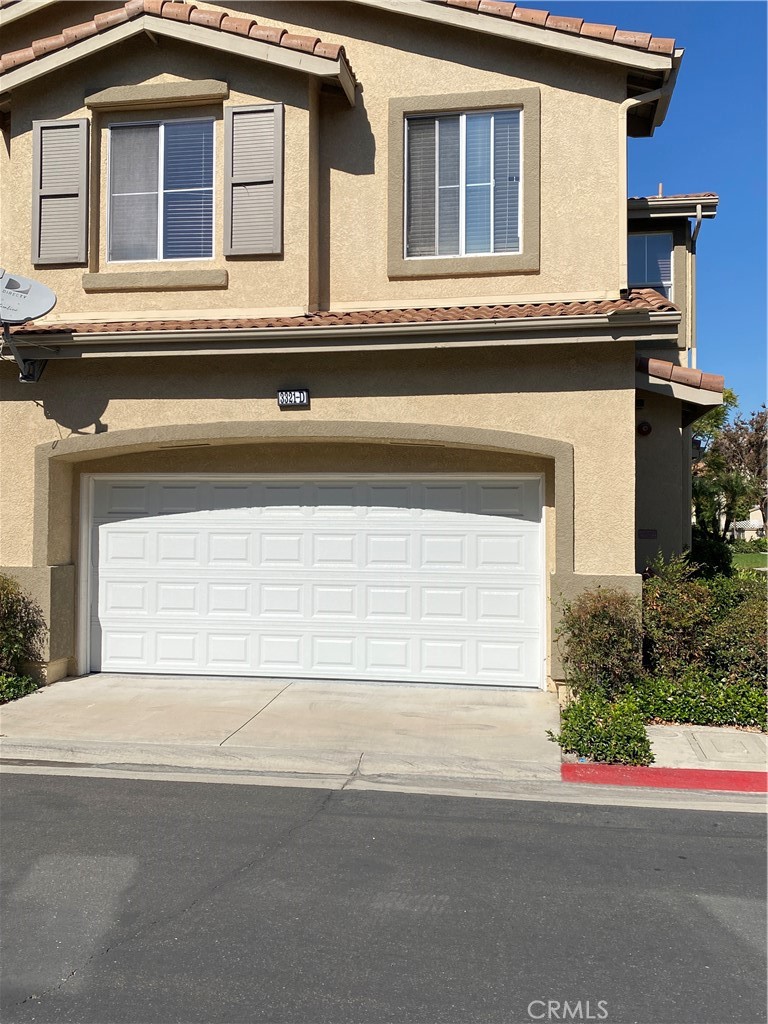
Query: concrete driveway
x=310, y=729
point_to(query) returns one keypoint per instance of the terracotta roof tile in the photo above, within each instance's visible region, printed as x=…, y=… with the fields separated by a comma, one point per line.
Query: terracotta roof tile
x=172, y=10
x=681, y=195
x=664, y=370
x=641, y=300
x=559, y=23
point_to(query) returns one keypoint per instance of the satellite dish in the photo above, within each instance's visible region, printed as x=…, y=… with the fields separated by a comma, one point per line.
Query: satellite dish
x=22, y=299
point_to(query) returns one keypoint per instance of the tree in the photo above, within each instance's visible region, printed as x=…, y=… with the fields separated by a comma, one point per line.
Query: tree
x=743, y=448
x=711, y=424
x=730, y=476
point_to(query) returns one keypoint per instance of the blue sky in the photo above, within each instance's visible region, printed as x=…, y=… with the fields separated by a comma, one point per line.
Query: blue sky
x=709, y=143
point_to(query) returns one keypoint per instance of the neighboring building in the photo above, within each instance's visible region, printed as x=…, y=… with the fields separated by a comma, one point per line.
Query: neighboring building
x=749, y=529
x=417, y=213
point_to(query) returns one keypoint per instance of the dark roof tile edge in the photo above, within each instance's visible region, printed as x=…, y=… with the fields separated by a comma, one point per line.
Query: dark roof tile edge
x=641, y=300
x=664, y=370
x=560, y=23
x=173, y=10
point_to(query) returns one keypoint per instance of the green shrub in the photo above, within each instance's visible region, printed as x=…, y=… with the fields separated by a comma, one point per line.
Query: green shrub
x=738, y=643
x=712, y=556
x=12, y=686
x=750, y=547
x=22, y=627
x=699, y=698
x=610, y=733
x=728, y=592
x=601, y=639
x=677, y=616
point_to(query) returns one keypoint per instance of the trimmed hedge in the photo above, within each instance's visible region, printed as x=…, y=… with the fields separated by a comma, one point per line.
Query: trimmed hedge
x=697, y=698
x=610, y=732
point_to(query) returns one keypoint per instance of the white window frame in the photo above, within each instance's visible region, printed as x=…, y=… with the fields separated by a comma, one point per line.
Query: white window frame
x=669, y=285
x=462, y=115
x=160, y=191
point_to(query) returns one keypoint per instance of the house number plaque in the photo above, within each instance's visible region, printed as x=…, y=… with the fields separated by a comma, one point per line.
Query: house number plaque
x=293, y=399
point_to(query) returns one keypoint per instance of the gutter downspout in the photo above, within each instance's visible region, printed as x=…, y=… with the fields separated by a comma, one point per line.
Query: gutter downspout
x=691, y=298
x=624, y=108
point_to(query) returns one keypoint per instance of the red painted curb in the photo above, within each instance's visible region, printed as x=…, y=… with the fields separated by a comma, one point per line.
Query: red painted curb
x=666, y=778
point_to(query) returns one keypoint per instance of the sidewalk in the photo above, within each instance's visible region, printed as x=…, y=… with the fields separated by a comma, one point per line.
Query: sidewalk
x=480, y=740
x=690, y=757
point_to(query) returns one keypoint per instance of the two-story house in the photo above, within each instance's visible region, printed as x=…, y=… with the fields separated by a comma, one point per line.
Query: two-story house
x=361, y=364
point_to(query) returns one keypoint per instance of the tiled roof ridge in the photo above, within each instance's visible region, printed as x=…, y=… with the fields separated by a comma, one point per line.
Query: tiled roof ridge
x=664, y=370
x=173, y=10
x=641, y=299
x=559, y=23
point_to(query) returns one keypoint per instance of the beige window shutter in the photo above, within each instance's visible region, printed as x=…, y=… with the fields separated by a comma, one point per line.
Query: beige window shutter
x=253, y=199
x=60, y=191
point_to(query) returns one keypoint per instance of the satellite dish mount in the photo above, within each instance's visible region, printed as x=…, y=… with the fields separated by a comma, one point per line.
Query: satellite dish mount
x=22, y=300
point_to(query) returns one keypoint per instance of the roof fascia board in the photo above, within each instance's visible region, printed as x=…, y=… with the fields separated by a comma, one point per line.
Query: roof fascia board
x=188, y=345
x=641, y=210
x=694, y=396
x=22, y=9
x=541, y=331
x=532, y=34
x=252, y=49
x=70, y=54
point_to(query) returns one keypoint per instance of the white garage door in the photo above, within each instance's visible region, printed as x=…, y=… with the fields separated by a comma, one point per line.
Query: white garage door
x=393, y=579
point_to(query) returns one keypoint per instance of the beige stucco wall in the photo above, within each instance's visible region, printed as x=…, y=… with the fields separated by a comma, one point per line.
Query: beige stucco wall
x=582, y=395
x=337, y=199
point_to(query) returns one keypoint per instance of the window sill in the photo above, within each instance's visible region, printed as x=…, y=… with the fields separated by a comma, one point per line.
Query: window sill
x=464, y=266
x=155, y=280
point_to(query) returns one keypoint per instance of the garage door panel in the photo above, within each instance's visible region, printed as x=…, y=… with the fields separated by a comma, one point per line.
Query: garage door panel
x=422, y=580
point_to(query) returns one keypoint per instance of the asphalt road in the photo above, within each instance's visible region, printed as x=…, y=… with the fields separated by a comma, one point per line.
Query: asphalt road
x=138, y=902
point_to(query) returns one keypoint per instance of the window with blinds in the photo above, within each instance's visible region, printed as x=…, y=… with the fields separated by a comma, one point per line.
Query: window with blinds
x=650, y=262
x=161, y=191
x=463, y=182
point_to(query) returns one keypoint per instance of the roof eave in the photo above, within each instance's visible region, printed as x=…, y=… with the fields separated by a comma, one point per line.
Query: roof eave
x=630, y=327
x=524, y=33
x=21, y=10
x=324, y=68
x=642, y=209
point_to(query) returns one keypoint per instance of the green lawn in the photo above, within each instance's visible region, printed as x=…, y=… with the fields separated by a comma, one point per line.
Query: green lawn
x=758, y=560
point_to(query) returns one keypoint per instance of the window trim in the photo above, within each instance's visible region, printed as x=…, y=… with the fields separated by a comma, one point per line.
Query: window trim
x=462, y=115
x=649, y=284
x=399, y=265
x=160, y=194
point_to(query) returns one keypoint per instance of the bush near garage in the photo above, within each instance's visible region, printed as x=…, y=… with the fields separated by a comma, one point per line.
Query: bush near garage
x=12, y=687
x=601, y=640
x=604, y=730
x=22, y=636
x=703, y=658
x=700, y=698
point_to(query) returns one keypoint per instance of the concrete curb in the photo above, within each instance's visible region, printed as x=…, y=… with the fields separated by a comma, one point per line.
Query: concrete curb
x=666, y=778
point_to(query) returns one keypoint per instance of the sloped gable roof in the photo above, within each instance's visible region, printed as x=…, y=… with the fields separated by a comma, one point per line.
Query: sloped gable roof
x=186, y=21
x=559, y=23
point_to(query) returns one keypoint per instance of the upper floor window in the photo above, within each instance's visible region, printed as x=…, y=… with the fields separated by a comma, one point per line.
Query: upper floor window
x=161, y=191
x=650, y=262
x=463, y=184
